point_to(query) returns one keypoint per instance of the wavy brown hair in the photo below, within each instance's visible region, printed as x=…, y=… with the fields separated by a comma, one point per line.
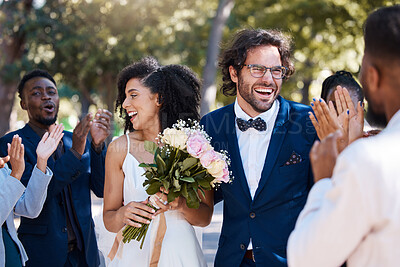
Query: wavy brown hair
x=242, y=42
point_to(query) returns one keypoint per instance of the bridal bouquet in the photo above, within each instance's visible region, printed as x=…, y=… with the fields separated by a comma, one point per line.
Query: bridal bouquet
x=185, y=164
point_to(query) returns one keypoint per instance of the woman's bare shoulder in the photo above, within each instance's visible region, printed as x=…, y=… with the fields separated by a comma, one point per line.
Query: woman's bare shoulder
x=118, y=147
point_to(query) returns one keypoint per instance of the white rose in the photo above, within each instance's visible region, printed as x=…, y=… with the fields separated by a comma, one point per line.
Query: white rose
x=216, y=168
x=175, y=138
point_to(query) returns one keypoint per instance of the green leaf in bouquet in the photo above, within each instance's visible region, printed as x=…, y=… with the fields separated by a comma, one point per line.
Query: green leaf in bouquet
x=176, y=184
x=193, y=201
x=148, y=165
x=172, y=195
x=150, y=147
x=187, y=179
x=184, y=190
x=202, y=192
x=189, y=163
x=160, y=164
x=148, y=175
x=203, y=183
x=177, y=173
x=165, y=184
x=153, y=188
x=200, y=175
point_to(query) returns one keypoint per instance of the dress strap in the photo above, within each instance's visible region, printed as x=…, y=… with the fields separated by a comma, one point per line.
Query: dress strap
x=127, y=138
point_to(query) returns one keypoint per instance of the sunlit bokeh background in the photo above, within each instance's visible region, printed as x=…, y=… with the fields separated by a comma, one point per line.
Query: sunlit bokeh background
x=85, y=43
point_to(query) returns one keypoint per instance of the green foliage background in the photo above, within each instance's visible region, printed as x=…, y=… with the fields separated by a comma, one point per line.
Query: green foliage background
x=85, y=43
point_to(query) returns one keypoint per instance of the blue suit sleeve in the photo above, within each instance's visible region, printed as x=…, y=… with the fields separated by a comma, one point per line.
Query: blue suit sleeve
x=66, y=170
x=97, y=166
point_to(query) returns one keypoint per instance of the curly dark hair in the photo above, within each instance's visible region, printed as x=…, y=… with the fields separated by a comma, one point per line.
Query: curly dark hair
x=344, y=79
x=33, y=74
x=178, y=90
x=140, y=70
x=243, y=41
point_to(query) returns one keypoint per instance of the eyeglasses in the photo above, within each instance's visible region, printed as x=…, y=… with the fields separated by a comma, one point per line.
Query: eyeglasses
x=258, y=71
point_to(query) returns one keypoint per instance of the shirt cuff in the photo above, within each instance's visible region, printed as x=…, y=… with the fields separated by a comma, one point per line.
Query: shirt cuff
x=48, y=171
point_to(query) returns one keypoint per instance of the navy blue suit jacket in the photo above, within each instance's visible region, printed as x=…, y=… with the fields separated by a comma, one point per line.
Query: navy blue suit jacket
x=282, y=191
x=45, y=238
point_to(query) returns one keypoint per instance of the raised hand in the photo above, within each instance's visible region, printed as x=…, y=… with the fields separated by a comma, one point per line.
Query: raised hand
x=324, y=119
x=356, y=116
x=3, y=161
x=16, y=153
x=100, y=128
x=80, y=133
x=326, y=122
x=48, y=145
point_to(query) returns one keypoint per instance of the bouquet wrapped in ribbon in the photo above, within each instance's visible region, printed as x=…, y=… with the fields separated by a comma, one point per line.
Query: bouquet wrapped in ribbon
x=185, y=164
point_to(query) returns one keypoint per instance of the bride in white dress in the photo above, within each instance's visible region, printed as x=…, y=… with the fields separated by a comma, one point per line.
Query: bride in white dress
x=152, y=103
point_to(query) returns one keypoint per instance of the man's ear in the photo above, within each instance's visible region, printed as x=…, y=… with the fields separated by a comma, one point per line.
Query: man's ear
x=22, y=104
x=233, y=73
x=374, y=79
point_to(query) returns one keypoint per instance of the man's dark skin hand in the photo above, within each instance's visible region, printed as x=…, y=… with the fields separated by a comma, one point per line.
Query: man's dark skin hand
x=323, y=156
x=99, y=129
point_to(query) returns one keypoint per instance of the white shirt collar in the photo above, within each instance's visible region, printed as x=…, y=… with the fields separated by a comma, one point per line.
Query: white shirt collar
x=267, y=116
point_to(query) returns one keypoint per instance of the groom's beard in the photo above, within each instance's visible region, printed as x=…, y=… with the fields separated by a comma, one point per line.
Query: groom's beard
x=376, y=120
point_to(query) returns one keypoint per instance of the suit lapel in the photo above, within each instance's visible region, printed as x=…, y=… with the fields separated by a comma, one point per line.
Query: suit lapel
x=234, y=153
x=67, y=143
x=277, y=137
x=30, y=135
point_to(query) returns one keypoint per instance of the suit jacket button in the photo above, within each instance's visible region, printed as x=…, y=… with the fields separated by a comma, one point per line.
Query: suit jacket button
x=242, y=246
x=64, y=230
x=252, y=215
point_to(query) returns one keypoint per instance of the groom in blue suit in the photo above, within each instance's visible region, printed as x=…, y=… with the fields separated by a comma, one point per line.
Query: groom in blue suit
x=63, y=234
x=268, y=140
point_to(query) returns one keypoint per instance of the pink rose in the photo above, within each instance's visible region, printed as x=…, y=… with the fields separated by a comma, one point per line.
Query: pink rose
x=197, y=145
x=208, y=157
x=225, y=176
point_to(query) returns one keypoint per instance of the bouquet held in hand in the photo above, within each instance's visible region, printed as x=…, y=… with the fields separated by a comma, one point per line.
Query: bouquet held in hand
x=185, y=164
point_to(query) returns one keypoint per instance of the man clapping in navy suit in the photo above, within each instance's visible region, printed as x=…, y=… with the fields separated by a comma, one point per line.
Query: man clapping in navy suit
x=268, y=140
x=63, y=233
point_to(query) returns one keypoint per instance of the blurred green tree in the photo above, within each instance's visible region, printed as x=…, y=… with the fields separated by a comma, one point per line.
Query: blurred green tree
x=85, y=43
x=14, y=16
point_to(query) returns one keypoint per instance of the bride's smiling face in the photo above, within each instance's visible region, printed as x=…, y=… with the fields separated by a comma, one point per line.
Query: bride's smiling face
x=141, y=105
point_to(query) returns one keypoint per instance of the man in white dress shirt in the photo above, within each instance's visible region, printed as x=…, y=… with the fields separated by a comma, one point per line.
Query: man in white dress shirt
x=353, y=210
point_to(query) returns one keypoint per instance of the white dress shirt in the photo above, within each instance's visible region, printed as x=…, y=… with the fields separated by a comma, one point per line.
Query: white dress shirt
x=355, y=215
x=253, y=145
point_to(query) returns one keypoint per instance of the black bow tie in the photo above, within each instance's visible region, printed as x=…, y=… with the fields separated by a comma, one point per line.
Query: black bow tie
x=258, y=124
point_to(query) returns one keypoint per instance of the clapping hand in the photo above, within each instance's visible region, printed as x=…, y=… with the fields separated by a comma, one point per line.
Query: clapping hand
x=326, y=122
x=323, y=156
x=100, y=128
x=48, y=145
x=356, y=116
x=80, y=133
x=16, y=153
x=3, y=161
x=347, y=119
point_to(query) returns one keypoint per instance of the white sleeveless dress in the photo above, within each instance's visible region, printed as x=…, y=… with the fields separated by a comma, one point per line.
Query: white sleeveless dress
x=180, y=247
